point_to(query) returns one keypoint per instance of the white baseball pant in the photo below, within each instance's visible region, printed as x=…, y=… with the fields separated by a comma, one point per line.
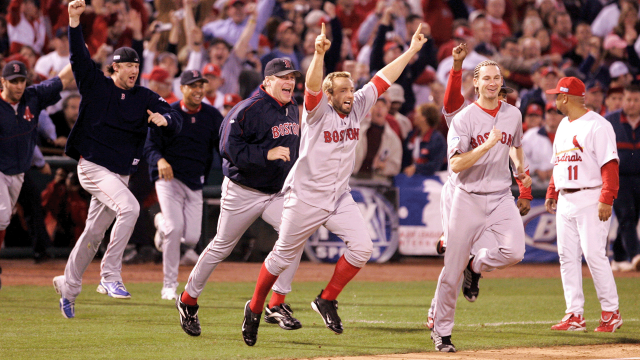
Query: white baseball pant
x=240, y=206
x=300, y=220
x=182, y=218
x=581, y=231
x=496, y=217
x=10, y=186
x=110, y=198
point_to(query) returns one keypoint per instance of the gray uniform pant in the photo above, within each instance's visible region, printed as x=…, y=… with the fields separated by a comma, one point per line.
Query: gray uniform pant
x=10, y=186
x=240, y=206
x=472, y=217
x=110, y=198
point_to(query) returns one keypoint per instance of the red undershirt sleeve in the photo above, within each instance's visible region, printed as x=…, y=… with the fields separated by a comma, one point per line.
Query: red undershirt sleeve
x=453, y=98
x=311, y=98
x=525, y=192
x=381, y=83
x=610, y=182
x=551, y=190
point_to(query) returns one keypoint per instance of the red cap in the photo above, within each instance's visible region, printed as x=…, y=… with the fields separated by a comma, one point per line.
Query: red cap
x=551, y=106
x=534, y=109
x=231, y=99
x=462, y=32
x=212, y=69
x=284, y=26
x=570, y=86
x=548, y=70
x=233, y=2
x=157, y=74
x=390, y=45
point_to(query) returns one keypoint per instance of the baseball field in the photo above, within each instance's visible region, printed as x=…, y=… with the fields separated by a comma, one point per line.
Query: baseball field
x=384, y=311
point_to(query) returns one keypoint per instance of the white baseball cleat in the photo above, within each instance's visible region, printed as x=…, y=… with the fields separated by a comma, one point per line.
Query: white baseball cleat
x=168, y=293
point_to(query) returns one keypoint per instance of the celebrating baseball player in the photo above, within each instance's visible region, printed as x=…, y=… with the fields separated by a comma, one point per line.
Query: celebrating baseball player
x=259, y=141
x=107, y=140
x=454, y=103
x=19, y=109
x=479, y=143
x=581, y=190
x=317, y=188
x=178, y=164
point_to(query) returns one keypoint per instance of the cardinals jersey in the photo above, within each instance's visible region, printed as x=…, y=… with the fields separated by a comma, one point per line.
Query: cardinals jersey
x=469, y=129
x=581, y=147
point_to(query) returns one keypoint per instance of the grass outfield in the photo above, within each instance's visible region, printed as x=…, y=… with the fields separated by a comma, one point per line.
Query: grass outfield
x=379, y=318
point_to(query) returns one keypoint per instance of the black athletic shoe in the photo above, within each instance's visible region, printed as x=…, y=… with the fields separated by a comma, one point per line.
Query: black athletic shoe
x=250, y=325
x=441, y=245
x=281, y=315
x=188, y=317
x=442, y=343
x=470, y=287
x=329, y=312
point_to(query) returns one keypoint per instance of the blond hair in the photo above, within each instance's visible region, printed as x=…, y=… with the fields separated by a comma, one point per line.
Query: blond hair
x=476, y=71
x=327, y=84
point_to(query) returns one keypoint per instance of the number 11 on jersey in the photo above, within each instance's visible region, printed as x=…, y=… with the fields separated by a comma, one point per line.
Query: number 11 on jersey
x=573, y=172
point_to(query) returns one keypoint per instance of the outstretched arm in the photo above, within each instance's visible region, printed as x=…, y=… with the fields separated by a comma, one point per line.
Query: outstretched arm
x=314, y=73
x=395, y=68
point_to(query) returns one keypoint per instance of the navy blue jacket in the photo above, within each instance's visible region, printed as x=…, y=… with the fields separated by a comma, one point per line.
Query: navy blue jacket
x=190, y=151
x=112, y=124
x=433, y=151
x=628, y=143
x=18, y=129
x=252, y=128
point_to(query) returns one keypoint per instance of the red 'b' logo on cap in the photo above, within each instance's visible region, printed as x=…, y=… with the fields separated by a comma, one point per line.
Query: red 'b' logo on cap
x=16, y=68
x=195, y=73
x=287, y=63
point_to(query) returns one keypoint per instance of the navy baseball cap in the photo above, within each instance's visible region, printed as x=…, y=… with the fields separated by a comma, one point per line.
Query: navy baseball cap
x=14, y=69
x=280, y=67
x=191, y=76
x=126, y=54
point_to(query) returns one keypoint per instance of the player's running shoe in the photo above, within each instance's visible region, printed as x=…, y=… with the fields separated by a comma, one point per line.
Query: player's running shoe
x=250, y=325
x=115, y=289
x=442, y=343
x=571, y=322
x=470, y=286
x=281, y=315
x=609, y=321
x=168, y=293
x=329, y=312
x=158, y=238
x=67, y=307
x=188, y=317
x=441, y=245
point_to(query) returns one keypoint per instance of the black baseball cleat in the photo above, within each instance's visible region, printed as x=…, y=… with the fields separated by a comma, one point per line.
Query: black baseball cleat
x=329, y=312
x=470, y=286
x=281, y=315
x=442, y=343
x=441, y=245
x=250, y=325
x=188, y=317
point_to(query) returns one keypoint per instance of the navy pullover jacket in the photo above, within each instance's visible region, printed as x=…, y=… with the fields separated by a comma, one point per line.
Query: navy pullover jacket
x=112, y=124
x=628, y=143
x=189, y=152
x=18, y=128
x=252, y=128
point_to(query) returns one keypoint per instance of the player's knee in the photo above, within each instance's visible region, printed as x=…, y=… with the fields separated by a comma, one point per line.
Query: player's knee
x=358, y=255
x=131, y=210
x=516, y=254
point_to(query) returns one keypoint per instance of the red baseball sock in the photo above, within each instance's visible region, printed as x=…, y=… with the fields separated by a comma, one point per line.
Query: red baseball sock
x=187, y=299
x=276, y=299
x=2, y=232
x=264, y=284
x=343, y=273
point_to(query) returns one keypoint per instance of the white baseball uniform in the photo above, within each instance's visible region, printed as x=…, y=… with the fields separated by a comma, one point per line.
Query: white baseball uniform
x=317, y=188
x=484, y=188
x=580, y=149
x=10, y=186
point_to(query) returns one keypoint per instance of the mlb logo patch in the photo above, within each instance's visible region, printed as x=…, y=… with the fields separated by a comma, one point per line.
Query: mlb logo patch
x=424, y=151
x=193, y=120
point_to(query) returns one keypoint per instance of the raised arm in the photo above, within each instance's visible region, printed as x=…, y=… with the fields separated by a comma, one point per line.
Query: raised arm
x=84, y=69
x=395, y=68
x=66, y=76
x=242, y=47
x=313, y=79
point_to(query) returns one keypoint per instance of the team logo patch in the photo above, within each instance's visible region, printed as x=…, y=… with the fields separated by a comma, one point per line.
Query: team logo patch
x=575, y=142
x=116, y=57
x=27, y=114
x=16, y=68
x=287, y=63
x=136, y=161
x=193, y=120
x=122, y=97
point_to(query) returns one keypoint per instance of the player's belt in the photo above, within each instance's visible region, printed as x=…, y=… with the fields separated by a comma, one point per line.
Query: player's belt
x=571, y=191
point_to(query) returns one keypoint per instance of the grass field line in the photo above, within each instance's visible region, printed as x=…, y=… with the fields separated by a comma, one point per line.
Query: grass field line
x=475, y=325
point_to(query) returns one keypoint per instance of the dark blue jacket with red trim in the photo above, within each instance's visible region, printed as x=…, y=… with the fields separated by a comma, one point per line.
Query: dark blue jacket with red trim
x=112, y=123
x=18, y=128
x=189, y=152
x=252, y=128
x=432, y=154
x=628, y=143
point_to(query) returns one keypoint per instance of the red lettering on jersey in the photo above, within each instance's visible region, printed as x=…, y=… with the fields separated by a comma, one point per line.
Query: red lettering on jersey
x=510, y=141
x=281, y=129
x=474, y=144
x=504, y=138
x=486, y=135
x=350, y=134
x=327, y=137
x=296, y=129
x=342, y=135
x=276, y=133
x=356, y=134
x=336, y=137
x=287, y=129
x=27, y=114
x=480, y=140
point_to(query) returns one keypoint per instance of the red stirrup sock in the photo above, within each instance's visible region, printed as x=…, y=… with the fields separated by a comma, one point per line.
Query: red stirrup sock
x=264, y=284
x=187, y=299
x=2, y=232
x=343, y=273
x=276, y=299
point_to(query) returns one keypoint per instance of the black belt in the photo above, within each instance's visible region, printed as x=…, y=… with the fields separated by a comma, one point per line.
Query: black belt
x=571, y=191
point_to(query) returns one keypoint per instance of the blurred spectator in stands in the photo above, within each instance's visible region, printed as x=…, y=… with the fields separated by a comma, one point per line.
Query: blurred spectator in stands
x=425, y=148
x=533, y=116
x=609, y=16
x=544, y=38
x=580, y=52
x=286, y=41
x=482, y=33
x=379, y=149
x=4, y=37
x=594, y=96
x=352, y=13
x=537, y=144
x=439, y=16
x=544, y=78
x=236, y=17
x=169, y=62
x=619, y=74
x=613, y=99
x=26, y=26
x=515, y=69
x=546, y=9
x=28, y=54
x=562, y=39
x=530, y=26
x=51, y=64
x=461, y=34
x=66, y=118
x=161, y=83
x=499, y=28
x=231, y=100
x=615, y=49
x=212, y=95
x=395, y=96
x=366, y=32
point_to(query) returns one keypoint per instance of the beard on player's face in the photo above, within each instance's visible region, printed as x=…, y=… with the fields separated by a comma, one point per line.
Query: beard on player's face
x=341, y=95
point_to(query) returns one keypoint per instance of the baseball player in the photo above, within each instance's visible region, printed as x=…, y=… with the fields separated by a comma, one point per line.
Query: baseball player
x=454, y=103
x=178, y=165
x=107, y=140
x=479, y=142
x=259, y=141
x=317, y=188
x=581, y=190
x=19, y=109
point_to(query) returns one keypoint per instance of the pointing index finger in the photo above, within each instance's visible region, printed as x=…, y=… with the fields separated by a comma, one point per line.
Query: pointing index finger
x=419, y=30
x=323, y=30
